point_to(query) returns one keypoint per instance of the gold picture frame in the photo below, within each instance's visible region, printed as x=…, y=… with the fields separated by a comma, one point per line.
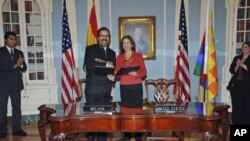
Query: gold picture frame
x=142, y=29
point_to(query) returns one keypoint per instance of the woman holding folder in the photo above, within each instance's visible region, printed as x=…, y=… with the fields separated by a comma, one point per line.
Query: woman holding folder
x=130, y=70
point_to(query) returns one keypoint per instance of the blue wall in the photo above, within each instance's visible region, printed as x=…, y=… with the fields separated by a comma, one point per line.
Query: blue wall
x=57, y=41
x=163, y=66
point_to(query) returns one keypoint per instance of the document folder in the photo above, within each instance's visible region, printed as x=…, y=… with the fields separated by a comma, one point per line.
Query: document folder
x=126, y=70
x=102, y=70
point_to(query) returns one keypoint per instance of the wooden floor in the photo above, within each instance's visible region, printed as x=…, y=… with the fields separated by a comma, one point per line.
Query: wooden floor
x=33, y=134
x=31, y=130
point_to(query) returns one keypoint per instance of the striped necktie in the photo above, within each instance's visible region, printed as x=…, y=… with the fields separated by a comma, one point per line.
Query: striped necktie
x=105, y=52
x=12, y=53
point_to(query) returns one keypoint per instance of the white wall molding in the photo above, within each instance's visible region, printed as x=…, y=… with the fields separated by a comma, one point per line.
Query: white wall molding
x=231, y=6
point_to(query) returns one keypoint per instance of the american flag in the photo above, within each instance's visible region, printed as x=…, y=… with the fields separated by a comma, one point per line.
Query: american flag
x=182, y=65
x=69, y=109
x=69, y=83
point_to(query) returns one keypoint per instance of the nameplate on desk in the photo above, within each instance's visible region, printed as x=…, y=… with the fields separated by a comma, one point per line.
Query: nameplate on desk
x=97, y=109
x=170, y=108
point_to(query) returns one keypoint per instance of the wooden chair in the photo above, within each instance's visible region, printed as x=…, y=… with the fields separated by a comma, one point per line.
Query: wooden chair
x=161, y=95
x=162, y=87
x=81, y=81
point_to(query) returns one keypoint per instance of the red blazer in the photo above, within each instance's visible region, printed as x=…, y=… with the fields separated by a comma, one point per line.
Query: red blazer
x=136, y=59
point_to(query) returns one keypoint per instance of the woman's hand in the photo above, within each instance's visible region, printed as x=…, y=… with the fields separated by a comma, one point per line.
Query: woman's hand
x=133, y=73
x=240, y=63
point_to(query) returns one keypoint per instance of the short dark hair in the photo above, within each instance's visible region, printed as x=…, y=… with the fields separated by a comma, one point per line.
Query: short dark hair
x=9, y=33
x=131, y=41
x=101, y=29
x=246, y=43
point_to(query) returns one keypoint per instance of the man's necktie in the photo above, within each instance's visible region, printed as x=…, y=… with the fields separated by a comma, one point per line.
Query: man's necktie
x=12, y=54
x=105, y=52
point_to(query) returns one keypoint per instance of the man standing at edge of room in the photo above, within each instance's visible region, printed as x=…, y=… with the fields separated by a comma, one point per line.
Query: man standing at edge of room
x=98, y=88
x=12, y=65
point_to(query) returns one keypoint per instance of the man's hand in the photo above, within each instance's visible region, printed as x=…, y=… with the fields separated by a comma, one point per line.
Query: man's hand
x=111, y=77
x=19, y=61
x=99, y=60
x=109, y=64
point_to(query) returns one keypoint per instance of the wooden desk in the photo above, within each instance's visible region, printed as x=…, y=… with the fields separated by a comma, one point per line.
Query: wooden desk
x=206, y=120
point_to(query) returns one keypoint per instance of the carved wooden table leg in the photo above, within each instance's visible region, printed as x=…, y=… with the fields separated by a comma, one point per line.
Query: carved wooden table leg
x=181, y=137
x=58, y=137
x=210, y=128
x=224, y=130
x=45, y=112
x=212, y=136
x=225, y=122
x=41, y=128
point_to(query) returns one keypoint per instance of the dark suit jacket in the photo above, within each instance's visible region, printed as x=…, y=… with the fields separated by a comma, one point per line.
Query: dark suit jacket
x=97, y=83
x=245, y=73
x=8, y=75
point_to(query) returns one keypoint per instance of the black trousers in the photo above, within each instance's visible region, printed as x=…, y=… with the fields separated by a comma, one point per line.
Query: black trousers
x=128, y=136
x=97, y=99
x=240, y=97
x=100, y=136
x=131, y=95
x=15, y=97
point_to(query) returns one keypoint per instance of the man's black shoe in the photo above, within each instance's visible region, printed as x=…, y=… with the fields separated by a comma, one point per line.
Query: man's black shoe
x=3, y=135
x=19, y=133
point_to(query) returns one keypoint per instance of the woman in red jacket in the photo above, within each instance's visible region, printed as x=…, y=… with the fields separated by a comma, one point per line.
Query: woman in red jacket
x=131, y=83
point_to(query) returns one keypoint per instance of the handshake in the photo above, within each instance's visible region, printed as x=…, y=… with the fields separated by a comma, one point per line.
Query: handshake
x=109, y=64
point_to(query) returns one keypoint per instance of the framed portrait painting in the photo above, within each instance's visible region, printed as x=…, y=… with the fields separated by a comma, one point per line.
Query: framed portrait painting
x=142, y=29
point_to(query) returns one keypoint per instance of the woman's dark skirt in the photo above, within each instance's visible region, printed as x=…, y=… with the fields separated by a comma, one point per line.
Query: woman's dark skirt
x=131, y=95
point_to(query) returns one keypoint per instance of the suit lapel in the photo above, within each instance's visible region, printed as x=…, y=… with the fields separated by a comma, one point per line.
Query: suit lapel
x=8, y=53
x=100, y=52
x=7, y=56
x=110, y=55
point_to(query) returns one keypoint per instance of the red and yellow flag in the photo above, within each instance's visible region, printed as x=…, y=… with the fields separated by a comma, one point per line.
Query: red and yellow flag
x=92, y=26
x=92, y=29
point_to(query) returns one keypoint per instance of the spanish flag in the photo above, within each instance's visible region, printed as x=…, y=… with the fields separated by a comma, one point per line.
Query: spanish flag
x=208, y=71
x=92, y=28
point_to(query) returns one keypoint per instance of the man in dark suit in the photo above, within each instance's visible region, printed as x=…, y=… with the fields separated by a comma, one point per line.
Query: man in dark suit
x=98, y=87
x=12, y=65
